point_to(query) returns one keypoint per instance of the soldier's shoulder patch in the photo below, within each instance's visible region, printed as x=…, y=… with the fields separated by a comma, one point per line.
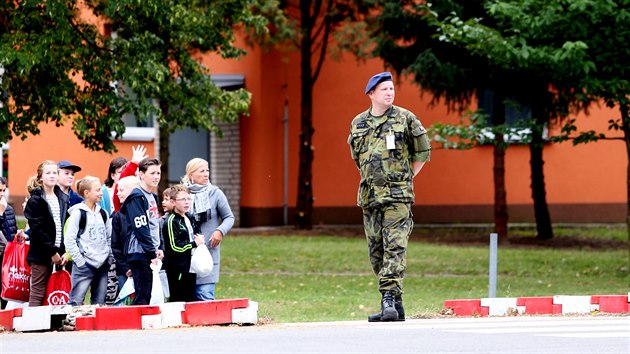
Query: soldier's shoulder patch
x=362, y=124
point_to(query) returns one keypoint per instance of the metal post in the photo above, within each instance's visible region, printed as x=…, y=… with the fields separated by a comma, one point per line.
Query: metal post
x=492, y=288
x=285, y=191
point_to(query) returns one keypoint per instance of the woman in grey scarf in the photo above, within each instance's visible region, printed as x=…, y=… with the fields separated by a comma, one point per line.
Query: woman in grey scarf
x=211, y=216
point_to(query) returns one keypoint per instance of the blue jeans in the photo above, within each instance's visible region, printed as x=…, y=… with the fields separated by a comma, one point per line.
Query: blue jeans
x=204, y=291
x=88, y=277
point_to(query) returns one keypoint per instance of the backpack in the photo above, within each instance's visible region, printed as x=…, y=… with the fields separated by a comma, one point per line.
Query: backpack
x=83, y=221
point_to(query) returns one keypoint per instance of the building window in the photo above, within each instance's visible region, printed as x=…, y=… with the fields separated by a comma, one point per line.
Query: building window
x=515, y=112
x=136, y=129
x=517, y=117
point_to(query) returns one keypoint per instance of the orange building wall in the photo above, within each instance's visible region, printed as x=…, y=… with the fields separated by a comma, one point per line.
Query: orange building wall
x=453, y=178
x=586, y=183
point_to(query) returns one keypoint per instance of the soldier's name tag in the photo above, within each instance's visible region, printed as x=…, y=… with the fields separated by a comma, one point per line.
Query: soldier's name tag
x=390, y=139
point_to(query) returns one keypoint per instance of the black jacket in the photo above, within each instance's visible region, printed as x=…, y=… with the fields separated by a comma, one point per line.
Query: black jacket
x=8, y=224
x=177, y=244
x=42, y=225
x=119, y=240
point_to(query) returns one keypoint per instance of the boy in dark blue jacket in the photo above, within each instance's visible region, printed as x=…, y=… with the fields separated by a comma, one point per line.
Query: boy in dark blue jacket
x=143, y=242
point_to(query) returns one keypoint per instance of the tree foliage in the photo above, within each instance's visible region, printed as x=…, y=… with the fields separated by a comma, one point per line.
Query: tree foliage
x=46, y=50
x=316, y=23
x=61, y=66
x=579, y=46
x=593, y=36
x=405, y=35
x=534, y=51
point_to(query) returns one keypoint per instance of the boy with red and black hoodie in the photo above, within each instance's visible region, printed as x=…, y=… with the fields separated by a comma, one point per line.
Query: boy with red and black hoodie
x=143, y=243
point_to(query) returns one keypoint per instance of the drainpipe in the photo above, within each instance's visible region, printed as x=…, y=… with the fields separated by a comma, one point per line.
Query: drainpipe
x=285, y=192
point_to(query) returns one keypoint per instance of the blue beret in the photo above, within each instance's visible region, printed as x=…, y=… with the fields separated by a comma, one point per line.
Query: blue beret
x=377, y=79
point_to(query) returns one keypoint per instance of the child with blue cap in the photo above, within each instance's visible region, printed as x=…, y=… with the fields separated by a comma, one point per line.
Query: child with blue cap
x=67, y=170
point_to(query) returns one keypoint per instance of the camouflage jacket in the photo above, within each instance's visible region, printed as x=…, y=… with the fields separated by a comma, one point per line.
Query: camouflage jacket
x=387, y=174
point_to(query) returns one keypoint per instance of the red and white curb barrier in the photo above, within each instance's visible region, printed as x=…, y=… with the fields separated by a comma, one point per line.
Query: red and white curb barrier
x=172, y=314
x=559, y=304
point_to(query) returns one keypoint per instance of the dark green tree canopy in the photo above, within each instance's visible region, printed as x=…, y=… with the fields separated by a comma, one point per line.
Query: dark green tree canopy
x=58, y=67
x=580, y=47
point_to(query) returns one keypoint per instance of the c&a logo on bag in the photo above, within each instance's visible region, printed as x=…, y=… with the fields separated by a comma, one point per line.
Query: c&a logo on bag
x=19, y=278
x=58, y=297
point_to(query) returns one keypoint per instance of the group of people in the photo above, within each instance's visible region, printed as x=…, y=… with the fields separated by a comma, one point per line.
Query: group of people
x=120, y=222
x=388, y=144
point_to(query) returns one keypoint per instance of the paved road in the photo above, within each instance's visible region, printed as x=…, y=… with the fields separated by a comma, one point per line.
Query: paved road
x=451, y=335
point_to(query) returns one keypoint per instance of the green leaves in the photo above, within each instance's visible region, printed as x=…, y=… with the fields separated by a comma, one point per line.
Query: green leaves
x=46, y=54
x=59, y=68
x=558, y=56
x=473, y=130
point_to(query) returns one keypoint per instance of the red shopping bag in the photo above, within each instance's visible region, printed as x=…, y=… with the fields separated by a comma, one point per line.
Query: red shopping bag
x=16, y=273
x=58, y=288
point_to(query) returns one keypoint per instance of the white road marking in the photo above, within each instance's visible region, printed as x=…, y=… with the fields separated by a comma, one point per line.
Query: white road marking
x=542, y=329
x=583, y=327
x=625, y=334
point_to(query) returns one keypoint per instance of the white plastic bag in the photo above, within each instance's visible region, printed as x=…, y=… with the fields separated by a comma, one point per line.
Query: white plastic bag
x=164, y=281
x=201, y=262
x=157, y=293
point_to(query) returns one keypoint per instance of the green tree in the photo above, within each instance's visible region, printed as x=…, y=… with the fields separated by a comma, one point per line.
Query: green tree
x=433, y=42
x=45, y=52
x=156, y=47
x=599, y=30
x=530, y=86
x=60, y=68
x=316, y=22
x=405, y=35
x=594, y=34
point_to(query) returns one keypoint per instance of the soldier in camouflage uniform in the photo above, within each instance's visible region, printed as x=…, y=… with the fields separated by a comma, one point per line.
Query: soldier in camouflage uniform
x=389, y=146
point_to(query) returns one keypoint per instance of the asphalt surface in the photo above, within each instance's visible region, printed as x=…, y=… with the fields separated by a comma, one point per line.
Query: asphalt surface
x=537, y=334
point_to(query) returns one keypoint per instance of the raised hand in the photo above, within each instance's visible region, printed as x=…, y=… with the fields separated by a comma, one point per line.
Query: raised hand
x=138, y=154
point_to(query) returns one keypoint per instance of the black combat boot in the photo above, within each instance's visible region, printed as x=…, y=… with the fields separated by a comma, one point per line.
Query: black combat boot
x=398, y=305
x=388, y=310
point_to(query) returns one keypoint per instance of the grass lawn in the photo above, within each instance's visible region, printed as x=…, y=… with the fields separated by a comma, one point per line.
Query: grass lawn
x=297, y=278
x=325, y=275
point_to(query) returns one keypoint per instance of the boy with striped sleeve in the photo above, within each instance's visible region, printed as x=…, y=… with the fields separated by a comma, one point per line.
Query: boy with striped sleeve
x=179, y=240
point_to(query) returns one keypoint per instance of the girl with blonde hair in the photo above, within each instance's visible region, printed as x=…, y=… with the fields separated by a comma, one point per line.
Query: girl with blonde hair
x=88, y=244
x=211, y=216
x=45, y=211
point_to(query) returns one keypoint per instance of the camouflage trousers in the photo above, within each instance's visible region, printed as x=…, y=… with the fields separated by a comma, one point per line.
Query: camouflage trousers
x=387, y=230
